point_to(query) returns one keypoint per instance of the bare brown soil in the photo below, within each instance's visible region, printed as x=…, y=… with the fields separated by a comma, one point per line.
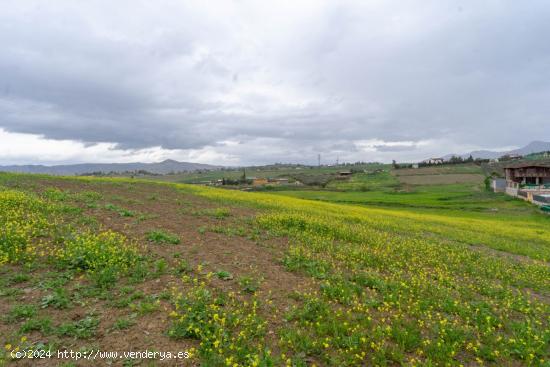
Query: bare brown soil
x=440, y=179
x=438, y=170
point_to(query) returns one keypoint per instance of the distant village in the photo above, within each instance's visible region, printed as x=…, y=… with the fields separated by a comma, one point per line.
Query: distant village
x=524, y=177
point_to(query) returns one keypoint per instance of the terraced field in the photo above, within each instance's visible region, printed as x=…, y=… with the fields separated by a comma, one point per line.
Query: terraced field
x=253, y=279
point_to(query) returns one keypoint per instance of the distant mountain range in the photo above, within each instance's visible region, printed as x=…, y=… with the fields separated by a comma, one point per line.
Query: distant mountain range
x=163, y=167
x=532, y=147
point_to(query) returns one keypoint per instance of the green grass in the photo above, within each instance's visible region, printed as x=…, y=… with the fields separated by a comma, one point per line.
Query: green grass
x=224, y=275
x=249, y=284
x=21, y=312
x=373, y=181
x=123, y=323
x=59, y=299
x=82, y=329
x=44, y=325
x=121, y=211
x=161, y=236
x=18, y=278
x=384, y=275
x=396, y=282
x=218, y=213
x=446, y=197
x=145, y=306
x=260, y=172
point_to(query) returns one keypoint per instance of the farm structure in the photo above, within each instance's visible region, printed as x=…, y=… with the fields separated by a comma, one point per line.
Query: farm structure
x=280, y=181
x=434, y=161
x=258, y=181
x=261, y=181
x=529, y=181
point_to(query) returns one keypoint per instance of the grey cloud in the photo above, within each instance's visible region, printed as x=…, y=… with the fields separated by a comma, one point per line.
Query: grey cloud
x=313, y=78
x=397, y=148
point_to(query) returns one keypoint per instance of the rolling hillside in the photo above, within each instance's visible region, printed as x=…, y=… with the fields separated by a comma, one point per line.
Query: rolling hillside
x=532, y=147
x=164, y=167
x=255, y=279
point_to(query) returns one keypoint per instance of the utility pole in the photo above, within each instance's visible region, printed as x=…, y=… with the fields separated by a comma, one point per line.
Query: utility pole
x=319, y=160
x=337, y=160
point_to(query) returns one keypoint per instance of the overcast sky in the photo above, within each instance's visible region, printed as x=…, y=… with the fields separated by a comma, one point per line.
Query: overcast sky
x=254, y=82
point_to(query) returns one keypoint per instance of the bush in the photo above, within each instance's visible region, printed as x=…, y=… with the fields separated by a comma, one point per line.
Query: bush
x=487, y=182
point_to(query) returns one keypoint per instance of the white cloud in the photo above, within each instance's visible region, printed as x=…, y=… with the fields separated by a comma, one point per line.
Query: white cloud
x=17, y=148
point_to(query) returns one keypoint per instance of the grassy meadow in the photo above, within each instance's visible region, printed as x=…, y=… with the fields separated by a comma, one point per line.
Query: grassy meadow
x=369, y=271
x=273, y=171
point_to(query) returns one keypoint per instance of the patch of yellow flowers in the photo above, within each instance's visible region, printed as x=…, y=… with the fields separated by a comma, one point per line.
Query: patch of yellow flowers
x=401, y=287
x=229, y=329
x=28, y=229
x=24, y=224
x=95, y=251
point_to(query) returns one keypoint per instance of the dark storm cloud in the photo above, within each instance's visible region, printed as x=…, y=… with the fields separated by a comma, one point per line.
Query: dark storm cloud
x=309, y=76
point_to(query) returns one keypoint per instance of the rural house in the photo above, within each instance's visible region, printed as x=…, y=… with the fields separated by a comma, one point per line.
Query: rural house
x=529, y=181
x=280, y=181
x=434, y=161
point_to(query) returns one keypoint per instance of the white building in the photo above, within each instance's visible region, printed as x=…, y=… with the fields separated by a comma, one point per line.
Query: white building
x=434, y=161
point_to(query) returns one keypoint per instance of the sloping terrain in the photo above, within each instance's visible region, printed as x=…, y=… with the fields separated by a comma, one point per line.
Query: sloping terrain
x=250, y=279
x=164, y=167
x=440, y=175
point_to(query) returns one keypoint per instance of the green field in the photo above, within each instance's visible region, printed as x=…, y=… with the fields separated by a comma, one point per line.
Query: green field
x=274, y=171
x=370, y=272
x=386, y=189
x=457, y=197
